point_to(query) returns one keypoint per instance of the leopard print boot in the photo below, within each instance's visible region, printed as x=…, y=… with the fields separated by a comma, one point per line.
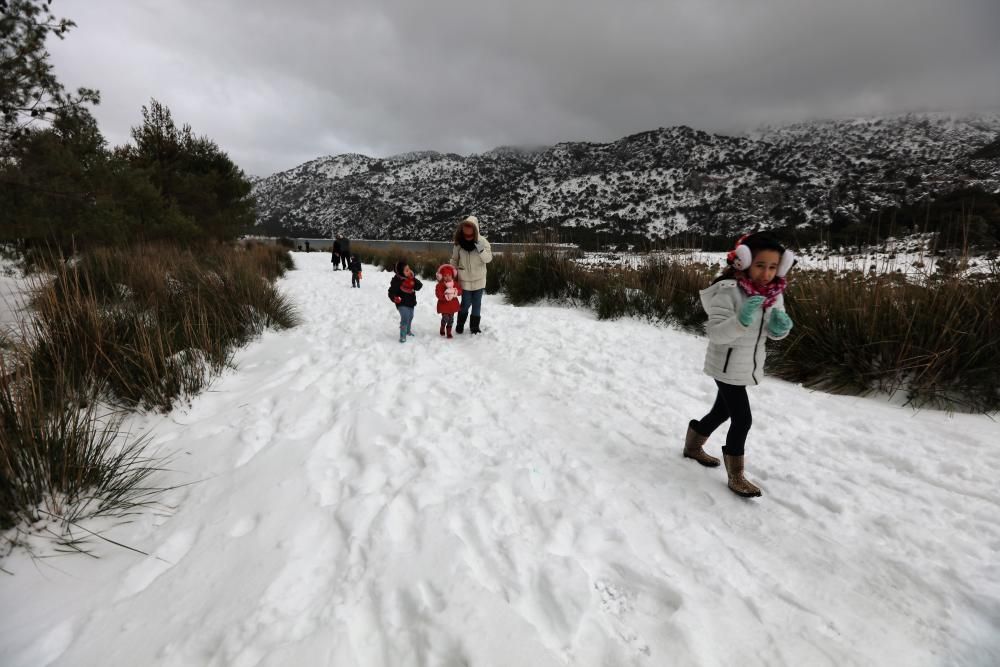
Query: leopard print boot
x=738, y=484
x=693, y=443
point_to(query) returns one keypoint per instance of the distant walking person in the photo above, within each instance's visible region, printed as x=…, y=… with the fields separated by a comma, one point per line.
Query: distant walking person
x=471, y=254
x=335, y=255
x=355, y=266
x=403, y=292
x=345, y=250
x=745, y=307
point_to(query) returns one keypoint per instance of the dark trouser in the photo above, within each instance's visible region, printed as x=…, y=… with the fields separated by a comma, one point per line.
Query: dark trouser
x=731, y=402
x=355, y=281
x=447, y=319
x=343, y=259
x=473, y=298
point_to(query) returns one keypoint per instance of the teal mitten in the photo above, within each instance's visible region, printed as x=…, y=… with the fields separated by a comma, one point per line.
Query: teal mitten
x=780, y=323
x=749, y=308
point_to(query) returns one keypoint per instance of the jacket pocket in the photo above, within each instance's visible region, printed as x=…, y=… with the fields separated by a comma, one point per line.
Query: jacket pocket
x=725, y=366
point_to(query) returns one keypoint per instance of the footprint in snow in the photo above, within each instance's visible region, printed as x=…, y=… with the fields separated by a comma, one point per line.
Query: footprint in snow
x=139, y=577
x=243, y=526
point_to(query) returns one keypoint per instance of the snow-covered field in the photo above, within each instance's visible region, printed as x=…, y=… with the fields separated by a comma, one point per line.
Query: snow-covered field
x=916, y=265
x=520, y=499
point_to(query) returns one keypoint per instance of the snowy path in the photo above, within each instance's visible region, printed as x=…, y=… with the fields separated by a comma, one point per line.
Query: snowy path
x=520, y=499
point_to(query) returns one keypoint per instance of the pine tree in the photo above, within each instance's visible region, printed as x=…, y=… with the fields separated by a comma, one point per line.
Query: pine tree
x=29, y=91
x=191, y=173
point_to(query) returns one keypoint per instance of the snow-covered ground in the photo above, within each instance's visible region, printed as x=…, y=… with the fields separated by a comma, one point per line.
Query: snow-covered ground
x=13, y=286
x=520, y=499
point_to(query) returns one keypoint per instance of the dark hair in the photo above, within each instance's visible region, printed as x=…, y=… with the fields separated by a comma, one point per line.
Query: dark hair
x=400, y=265
x=459, y=236
x=763, y=241
x=756, y=242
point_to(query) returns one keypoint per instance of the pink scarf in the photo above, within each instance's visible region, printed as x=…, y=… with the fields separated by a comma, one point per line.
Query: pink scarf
x=770, y=291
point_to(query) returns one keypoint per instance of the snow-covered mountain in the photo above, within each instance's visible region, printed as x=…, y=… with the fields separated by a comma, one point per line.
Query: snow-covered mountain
x=652, y=184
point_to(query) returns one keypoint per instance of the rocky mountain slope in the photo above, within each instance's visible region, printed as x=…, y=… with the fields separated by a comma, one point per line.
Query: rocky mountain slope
x=654, y=184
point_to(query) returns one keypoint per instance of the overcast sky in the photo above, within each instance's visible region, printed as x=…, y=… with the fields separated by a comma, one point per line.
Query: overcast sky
x=278, y=83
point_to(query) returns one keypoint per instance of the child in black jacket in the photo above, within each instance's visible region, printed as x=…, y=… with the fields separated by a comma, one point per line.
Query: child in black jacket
x=403, y=292
x=355, y=266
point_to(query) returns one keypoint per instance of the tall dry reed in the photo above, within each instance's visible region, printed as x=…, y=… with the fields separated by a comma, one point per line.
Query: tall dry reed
x=113, y=330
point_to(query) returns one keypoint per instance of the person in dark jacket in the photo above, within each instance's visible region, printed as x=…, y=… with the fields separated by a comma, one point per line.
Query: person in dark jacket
x=403, y=292
x=355, y=266
x=335, y=255
x=345, y=250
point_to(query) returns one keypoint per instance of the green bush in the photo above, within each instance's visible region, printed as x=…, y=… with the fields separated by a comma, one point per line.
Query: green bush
x=538, y=274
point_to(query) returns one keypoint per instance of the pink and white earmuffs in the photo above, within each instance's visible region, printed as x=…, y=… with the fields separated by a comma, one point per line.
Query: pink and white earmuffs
x=446, y=267
x=741, y=258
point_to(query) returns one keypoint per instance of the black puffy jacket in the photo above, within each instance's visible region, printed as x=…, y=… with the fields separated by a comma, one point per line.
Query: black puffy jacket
x=404, y=288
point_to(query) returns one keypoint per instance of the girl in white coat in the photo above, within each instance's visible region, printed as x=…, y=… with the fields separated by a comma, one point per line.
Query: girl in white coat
x=745, y=307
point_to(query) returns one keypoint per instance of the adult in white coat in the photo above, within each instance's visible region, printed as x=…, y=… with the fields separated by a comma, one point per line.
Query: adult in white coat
x=471, y=254
x=745, y=308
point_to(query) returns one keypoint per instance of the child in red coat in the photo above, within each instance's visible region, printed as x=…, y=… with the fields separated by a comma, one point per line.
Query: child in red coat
x=449, y=297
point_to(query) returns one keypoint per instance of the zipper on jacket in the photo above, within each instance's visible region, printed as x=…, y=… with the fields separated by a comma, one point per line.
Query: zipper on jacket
x=726, y=365
x=753, y=375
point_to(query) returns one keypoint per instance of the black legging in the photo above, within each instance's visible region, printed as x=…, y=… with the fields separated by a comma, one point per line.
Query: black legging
x=731, y=402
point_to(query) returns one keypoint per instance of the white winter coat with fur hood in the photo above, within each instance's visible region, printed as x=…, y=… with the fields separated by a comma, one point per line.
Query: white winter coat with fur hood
x=735, y=353
x=472, y=264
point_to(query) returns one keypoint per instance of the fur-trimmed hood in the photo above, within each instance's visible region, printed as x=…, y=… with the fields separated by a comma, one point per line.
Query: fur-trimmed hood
x=471, y=220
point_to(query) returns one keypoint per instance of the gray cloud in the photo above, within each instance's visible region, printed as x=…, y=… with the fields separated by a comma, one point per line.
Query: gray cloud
x=276, y=84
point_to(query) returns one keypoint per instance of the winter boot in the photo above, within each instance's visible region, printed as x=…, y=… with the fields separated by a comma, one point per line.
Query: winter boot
x=461, y=322
x=402, y=333
x=474, y=324
x=693, y=444
x=442, y=328
x=449, y=331
x=738, y=484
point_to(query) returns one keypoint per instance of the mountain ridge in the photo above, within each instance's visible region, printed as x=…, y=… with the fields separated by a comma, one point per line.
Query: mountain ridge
x=653, y=184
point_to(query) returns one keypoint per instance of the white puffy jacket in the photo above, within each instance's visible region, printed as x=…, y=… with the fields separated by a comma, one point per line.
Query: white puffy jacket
x=472, y=265
x=735, y=353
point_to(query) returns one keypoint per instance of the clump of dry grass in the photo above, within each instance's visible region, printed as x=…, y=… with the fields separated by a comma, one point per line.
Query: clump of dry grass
x=152, y=324
x=60, y=458
x=939, y=342
x=130, y=328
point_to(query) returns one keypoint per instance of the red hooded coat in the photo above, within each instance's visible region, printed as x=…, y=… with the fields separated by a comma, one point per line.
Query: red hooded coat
x=448, y=291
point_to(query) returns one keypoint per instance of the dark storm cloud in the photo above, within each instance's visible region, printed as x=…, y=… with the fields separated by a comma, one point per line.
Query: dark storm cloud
x=276, y=84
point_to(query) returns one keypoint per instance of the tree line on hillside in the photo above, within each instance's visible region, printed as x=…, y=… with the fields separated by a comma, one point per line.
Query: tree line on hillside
x=62, y=186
